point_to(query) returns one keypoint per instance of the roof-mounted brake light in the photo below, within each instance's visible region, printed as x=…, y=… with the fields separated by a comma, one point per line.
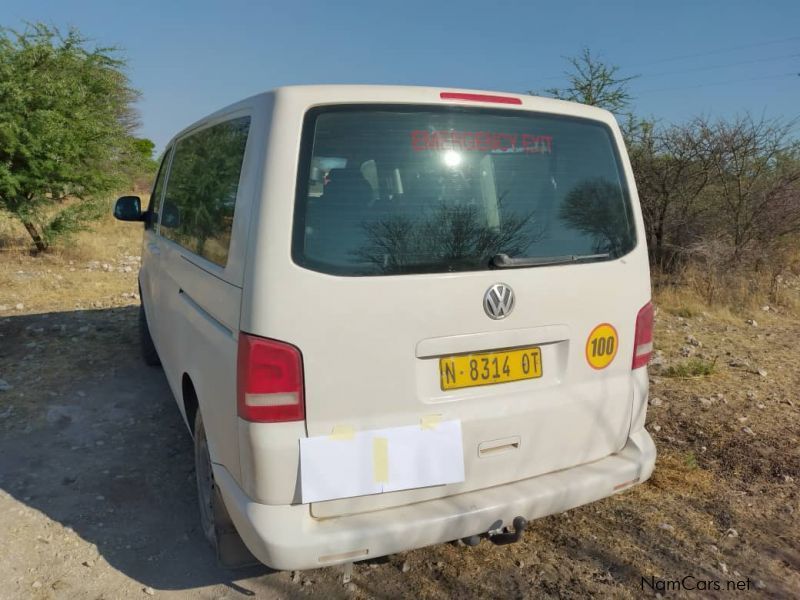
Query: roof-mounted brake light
x=479, y=98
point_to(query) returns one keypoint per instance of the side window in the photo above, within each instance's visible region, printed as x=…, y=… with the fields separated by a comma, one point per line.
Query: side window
x=198, y=206
x=158, y=188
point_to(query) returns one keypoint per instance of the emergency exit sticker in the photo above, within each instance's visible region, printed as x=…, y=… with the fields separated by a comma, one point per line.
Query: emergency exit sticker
x=481, y=141
x=601, y=347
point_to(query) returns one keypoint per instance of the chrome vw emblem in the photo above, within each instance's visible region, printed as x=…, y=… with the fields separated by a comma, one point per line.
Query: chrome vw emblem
x=498, y=301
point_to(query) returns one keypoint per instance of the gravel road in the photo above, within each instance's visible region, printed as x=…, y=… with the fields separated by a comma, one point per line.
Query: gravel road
x=97, y=493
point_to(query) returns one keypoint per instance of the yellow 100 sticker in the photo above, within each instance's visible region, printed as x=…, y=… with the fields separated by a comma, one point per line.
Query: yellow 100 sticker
x=601, y=347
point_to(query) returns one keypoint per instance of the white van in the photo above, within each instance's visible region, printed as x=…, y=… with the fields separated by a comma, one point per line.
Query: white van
x=398, y=316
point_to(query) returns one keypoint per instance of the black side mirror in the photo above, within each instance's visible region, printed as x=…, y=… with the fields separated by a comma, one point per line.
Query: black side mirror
x=129, y=208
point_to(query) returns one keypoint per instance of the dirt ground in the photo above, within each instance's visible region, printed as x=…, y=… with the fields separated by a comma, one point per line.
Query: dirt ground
x=97, y=494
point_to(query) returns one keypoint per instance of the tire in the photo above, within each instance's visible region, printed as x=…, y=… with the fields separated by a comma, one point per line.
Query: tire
x=215, y=522
x=149, y=353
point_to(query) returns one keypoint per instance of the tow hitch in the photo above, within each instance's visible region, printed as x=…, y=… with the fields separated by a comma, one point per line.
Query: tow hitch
x=500, y=539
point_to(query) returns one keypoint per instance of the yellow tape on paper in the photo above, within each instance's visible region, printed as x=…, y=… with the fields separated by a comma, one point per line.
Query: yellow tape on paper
x=380, y=460
x=430, y=421
x=343, y=432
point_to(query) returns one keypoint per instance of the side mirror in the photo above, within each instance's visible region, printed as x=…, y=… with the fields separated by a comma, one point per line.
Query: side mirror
x=129, y=208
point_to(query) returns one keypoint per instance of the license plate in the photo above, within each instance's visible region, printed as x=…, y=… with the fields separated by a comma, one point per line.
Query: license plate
x=486, y=368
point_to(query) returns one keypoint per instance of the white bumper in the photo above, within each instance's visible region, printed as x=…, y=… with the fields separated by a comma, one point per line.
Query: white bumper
x=288, y=537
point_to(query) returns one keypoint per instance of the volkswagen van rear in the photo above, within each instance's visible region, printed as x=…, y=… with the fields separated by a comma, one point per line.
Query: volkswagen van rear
x=466, y=266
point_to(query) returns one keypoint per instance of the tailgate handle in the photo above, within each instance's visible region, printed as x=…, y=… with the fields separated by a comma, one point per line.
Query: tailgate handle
x=498, y=446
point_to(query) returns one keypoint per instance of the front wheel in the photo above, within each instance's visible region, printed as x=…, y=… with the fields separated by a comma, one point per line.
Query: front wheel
x=214, y=519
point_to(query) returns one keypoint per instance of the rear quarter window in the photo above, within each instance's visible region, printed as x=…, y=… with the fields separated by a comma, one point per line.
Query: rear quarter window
x=392, y=190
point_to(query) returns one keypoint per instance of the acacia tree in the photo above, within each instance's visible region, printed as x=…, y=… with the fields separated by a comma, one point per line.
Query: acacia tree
x=672, y=171
x=754, y=164
x=66, y=119
x=139, y=168
x=591, y=81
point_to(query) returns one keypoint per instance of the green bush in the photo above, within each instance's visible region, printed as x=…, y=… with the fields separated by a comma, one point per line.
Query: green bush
x=694, y=367
x=66, y=118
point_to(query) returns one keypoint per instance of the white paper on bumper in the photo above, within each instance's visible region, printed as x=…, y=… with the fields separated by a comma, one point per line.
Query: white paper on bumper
x=380, y=460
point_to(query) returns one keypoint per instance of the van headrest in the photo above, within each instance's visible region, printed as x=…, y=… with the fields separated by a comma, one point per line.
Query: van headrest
x=347, y=185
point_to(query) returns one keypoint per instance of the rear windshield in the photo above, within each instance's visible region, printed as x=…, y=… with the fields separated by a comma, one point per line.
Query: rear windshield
x=385, y=191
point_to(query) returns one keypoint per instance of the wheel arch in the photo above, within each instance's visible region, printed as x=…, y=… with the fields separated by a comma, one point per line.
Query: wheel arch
x=190, y=402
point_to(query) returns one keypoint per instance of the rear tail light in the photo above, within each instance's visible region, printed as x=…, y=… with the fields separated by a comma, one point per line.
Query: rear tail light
x=643, y=340
x=269, y=381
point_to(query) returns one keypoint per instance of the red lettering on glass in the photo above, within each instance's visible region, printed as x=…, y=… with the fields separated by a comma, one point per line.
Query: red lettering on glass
x=482, y=141
x=419, y=140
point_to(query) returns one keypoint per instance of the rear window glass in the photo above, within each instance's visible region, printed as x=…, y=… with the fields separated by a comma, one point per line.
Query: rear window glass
x=397, y=190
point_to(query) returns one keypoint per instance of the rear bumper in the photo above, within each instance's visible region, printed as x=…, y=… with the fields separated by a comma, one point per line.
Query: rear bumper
x=288, y=537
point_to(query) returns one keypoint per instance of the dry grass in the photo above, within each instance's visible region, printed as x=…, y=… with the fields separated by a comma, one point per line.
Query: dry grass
x=106, y=238
x=696, y=291
x=683, y=302
x=71, y=275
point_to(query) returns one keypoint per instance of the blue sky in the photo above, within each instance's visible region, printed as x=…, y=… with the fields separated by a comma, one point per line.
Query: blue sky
x=715, y=57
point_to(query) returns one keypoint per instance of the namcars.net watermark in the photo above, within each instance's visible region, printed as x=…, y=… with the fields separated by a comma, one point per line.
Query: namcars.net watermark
x=690, y=583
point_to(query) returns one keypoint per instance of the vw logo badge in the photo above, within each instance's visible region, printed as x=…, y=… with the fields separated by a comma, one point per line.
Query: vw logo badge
x=498, y=301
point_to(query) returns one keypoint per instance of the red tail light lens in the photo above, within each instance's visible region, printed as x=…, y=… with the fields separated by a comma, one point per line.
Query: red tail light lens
x=479, y=98
x=643, y=340
x=269, y=381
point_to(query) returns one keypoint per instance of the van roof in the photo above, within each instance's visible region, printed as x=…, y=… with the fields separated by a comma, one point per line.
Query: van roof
x=314, y=95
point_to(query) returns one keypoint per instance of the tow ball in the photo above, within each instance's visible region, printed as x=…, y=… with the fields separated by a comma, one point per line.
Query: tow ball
x=508, y=537
x=500, y=539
